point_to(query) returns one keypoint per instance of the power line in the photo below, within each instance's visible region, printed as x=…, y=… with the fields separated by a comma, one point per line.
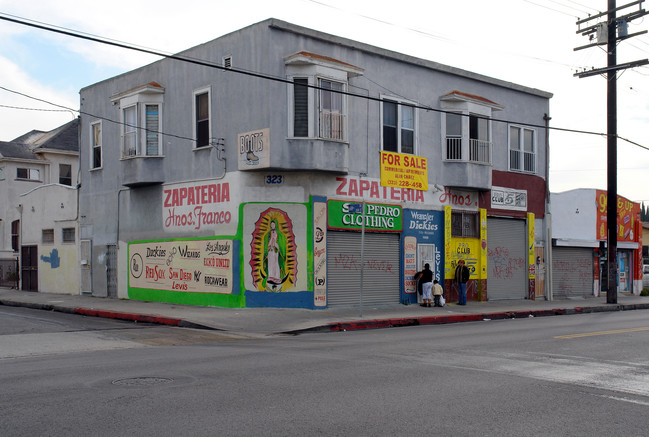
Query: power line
x=65, y=108
x=36, y=109
x=196, y=61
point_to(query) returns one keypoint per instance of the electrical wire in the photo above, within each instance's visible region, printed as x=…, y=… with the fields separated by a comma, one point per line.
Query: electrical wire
x=68, y=109
x=36, y=109
x=196, y=61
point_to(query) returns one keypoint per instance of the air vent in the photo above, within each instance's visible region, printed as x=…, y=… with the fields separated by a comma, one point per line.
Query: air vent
x=227, y=62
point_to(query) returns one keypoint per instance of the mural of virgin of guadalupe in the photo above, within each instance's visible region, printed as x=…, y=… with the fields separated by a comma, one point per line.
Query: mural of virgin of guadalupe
x=273, y=253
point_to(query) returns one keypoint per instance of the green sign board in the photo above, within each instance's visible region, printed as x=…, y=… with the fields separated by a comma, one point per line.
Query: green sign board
x=378, y=217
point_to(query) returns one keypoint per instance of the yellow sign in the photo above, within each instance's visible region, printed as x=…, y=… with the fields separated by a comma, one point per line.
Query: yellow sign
x=401, y=170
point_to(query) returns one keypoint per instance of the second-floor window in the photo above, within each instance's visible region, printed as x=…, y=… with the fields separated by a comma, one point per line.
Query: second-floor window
x=202, y=126
x=331, y=112
x=522, y=149
x=65, y=174
x=398, y=121
x=95, y=144
x=141, y=118
x=32, y=174
x=300, y=107
x=316, y=96
x=141, y=130
x=476, y=137
x=466, y=126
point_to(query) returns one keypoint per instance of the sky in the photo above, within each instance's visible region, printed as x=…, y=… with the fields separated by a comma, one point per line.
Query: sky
x=527, y=42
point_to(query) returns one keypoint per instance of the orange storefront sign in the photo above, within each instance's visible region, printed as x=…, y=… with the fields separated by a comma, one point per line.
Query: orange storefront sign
x=628, y=214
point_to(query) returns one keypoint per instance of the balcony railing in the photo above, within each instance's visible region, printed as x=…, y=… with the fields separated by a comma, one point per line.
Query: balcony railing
x=479, y=151
x=454, y=148
x=528, y=161
x=332, y=125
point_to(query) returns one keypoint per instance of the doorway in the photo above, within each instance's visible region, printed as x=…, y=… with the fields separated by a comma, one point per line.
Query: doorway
x=29, y=268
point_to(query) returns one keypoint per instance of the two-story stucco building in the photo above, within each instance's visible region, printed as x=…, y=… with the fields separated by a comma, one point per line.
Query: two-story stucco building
x=38, y=220
x=252, y=169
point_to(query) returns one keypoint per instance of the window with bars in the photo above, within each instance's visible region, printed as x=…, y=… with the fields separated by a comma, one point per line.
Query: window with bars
x=47, y=236
x=465, y=224
x=68, y=235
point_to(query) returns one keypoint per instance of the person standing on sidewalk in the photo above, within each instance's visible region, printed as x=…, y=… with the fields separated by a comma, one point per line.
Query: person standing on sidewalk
x=425, y=278
x=438, y=291
x=461, y=277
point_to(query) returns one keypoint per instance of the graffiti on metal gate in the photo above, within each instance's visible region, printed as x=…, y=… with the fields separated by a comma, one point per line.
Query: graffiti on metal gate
x=503, y=266
x=353, y=262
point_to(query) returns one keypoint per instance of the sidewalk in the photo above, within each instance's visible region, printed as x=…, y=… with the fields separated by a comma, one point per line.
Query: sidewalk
x=269, y=321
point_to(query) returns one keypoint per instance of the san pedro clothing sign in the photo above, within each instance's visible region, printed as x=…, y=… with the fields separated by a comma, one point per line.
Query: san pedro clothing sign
x=401, y=170
x=378, y=217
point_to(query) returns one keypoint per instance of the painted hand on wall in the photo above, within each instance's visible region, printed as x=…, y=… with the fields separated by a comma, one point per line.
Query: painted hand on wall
x=53, y=259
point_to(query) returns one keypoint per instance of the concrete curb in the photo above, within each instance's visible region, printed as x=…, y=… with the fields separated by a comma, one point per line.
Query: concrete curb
x=458, y=318
x=118, y=315
x=392, y=322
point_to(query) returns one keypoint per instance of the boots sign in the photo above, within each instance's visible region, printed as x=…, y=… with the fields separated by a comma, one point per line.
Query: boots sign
x=378, y=217
x=254, y=149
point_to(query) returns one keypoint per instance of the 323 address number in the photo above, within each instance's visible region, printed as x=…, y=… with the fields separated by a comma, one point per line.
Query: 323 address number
x=274, y=179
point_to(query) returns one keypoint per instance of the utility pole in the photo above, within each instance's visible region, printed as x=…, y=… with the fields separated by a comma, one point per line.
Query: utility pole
x=609, y=33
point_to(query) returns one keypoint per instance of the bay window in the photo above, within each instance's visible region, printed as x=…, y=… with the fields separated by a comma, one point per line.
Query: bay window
x=317, y=99
x=141, y=110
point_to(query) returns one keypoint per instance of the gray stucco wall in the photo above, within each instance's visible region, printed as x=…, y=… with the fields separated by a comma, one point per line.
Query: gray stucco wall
x=241, y=103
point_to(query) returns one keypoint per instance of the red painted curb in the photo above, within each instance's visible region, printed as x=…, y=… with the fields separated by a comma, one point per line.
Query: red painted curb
x=134, y=317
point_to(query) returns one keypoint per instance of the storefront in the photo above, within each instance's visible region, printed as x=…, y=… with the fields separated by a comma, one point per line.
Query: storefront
x=572, y=271
x=423, y=243
x=377, y=265
x=579, y=244
x=507, y=258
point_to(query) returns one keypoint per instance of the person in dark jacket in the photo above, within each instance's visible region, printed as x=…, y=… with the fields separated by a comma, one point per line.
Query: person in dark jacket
x=461, y=277
x=425, y=278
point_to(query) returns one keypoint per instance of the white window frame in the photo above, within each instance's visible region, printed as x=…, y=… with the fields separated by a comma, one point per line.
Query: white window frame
x=94, y=145
x=401, y=103
x=467, y=107
x=321, y=112
x=140, y=130
x=314, y=69
x=524, y=156
x=466, y=140
x=310, y=104
x=205, y=90
x=139, y=98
